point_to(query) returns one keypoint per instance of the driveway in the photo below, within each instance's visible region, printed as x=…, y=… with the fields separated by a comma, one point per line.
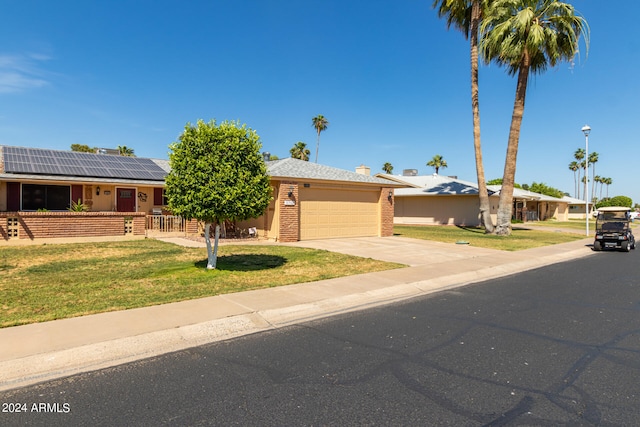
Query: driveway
x=413, y=252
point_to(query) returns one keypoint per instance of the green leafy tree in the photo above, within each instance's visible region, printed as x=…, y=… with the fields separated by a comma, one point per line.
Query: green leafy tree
x=466, y=15
x=300, y=151
x=526, y=36
x=217, y=174
x=542, y=188
x=82, y=148
x=616, y=201
x=437, y=162
x=320, y=123
x=498, y=181
x=388, y=168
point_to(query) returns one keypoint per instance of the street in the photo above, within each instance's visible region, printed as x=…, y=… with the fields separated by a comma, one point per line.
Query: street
x=556, y=345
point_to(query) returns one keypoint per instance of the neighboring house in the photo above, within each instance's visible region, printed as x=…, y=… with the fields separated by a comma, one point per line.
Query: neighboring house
x=443, y=200
x=310, y=201
x=577, y=207
x=437, y=200
x=530, y=206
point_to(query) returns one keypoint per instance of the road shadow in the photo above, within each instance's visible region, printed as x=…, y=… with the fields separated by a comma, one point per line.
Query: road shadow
x=246, y=262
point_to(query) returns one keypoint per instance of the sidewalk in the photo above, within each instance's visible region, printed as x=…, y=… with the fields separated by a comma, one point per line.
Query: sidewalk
x=40, y=352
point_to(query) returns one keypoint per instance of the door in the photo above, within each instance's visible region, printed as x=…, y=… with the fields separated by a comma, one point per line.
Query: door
x=126, y=199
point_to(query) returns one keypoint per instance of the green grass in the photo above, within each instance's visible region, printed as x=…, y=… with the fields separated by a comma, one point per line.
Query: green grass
x=574, y=224
x=47, y=282
x=520, y=239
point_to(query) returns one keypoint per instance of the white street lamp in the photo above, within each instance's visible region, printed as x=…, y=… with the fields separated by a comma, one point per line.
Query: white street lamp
x=586, y=130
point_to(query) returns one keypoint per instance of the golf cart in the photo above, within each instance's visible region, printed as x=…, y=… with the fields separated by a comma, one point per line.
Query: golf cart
x=613, y=230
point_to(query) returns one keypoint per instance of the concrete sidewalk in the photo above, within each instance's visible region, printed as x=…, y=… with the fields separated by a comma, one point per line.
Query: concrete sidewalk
x=39, y=352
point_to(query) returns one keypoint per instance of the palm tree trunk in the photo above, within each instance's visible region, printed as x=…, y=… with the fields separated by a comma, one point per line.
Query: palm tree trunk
x=575, y=184
x=505, y=207
x=483, y=193
x=317, y=145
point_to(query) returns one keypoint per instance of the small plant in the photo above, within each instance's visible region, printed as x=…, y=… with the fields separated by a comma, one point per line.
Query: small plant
x=42, y=210
x=78, y=207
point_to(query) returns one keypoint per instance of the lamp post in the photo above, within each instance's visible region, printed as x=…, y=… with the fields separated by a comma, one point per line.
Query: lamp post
x=586, y=130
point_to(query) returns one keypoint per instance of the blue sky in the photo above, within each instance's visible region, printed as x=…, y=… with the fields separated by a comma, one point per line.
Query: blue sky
x=389, y=77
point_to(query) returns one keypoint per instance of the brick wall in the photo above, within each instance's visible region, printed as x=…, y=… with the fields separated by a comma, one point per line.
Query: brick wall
x=42, y=225
x=386, y=213
x=289, y=214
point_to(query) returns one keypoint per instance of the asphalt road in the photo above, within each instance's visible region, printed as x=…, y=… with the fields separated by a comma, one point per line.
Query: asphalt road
x=553, y=346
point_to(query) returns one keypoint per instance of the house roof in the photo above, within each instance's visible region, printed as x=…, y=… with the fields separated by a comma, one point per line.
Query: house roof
x=300, y=169
x=432, y=185
x=573, y=200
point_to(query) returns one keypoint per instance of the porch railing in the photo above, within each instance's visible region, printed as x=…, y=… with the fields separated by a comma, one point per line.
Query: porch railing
x=165, y=224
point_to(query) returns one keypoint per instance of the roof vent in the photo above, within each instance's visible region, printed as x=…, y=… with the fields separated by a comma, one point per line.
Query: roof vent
x=410, y=172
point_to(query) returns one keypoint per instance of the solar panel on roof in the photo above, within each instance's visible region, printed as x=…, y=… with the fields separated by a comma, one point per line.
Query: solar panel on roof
x=52, y=162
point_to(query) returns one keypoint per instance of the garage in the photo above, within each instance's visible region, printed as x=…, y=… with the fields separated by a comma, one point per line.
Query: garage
x=338, y=212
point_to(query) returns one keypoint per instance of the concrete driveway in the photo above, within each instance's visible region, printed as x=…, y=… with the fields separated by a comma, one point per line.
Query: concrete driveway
x=412, y=252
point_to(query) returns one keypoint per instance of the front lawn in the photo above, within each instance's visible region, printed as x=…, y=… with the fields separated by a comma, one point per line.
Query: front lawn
x=47, y=282
x=520, y=239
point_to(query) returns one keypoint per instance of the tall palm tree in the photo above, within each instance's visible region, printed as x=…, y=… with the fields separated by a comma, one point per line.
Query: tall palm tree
x=593, y=159
x=437, y=162
x=526, y=36
x=320, y=123
x=387, y=167
x=579, y=156
x=573, y=166
x=300, y=151
x=608, y=182
x=466, y=15
x=598, y=180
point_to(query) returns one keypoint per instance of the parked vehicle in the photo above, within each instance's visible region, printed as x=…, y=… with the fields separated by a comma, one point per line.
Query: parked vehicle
x=633, y=215
x=613, y=230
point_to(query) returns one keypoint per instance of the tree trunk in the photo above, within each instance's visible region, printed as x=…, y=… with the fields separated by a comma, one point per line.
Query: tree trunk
x=483, y=194
x=212, y=255
x=505, y=208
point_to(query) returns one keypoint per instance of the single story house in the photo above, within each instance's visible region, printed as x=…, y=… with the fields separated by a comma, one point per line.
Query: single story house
x=530, y=206
x=310, y=201
x=444, y=200
x=313, y=201
x=437, y=200
x=577, y=207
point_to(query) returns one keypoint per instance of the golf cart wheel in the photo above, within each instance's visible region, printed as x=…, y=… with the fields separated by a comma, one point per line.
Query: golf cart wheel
x=624, y=246
x=597, y=246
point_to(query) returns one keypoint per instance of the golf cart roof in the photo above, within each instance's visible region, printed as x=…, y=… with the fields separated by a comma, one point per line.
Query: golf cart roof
x=614, y=209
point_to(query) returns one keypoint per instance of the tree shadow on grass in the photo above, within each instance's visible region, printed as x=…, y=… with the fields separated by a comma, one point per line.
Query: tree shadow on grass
x=246, y=262
x=477, y=230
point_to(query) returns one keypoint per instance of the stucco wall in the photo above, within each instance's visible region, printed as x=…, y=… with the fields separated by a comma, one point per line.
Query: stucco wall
x=437, y=210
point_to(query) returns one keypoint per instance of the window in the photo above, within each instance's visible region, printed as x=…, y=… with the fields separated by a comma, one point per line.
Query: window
x=159, y=197
x=50, y=197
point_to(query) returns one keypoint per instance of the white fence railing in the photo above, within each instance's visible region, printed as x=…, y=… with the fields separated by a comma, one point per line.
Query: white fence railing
x=165, y=224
